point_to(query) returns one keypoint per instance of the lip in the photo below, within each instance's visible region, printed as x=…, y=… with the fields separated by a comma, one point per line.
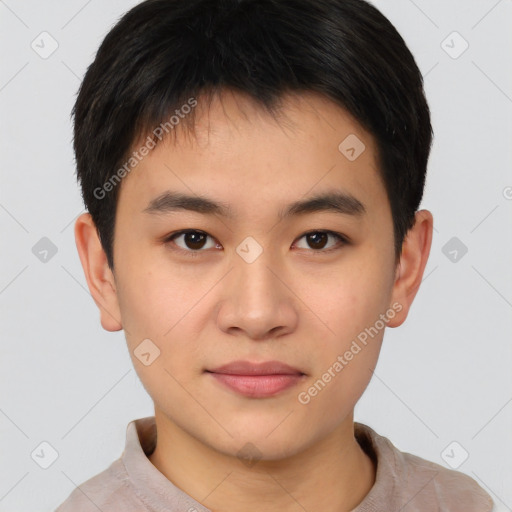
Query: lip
x=263, y=368
x=257, y=380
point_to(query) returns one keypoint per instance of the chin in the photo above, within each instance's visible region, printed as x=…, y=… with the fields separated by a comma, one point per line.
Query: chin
x=262, y=441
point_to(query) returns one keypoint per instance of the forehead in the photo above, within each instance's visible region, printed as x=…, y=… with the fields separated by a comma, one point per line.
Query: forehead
x=242, y=155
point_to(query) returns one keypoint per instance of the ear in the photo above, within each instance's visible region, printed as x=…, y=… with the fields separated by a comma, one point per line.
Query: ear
x=409, y=272
x=98, y=274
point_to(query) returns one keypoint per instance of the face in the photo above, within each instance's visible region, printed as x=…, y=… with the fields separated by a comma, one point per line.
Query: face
x=252, y=278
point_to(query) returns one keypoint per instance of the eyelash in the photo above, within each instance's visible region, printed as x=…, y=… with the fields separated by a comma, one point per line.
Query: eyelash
x=194, y=253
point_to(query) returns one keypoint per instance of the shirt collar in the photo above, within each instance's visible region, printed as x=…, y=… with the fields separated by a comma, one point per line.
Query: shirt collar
x=384, y=493
x=152, y=487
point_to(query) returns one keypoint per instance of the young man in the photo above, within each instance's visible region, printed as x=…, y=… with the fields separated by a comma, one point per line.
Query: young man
x=252, y=172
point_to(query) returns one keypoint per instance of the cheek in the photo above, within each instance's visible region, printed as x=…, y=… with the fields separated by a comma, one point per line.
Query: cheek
x=350, y=301
x=352, y=305
x=156, y=298
x=345, y=360
x=167, y=310
x=336, y=389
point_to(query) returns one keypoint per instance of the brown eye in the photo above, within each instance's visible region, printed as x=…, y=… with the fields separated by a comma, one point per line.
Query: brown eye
x=319, y=240
x=191, y=241
x=194, y=240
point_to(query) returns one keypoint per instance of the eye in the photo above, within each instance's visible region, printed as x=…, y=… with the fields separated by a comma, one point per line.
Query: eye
x=193, y=241
x=318, y=240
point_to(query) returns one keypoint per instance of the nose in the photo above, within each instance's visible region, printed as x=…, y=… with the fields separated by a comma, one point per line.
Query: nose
x=257, y=303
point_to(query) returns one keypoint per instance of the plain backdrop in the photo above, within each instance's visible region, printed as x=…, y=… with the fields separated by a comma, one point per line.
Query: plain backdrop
x=443, y=385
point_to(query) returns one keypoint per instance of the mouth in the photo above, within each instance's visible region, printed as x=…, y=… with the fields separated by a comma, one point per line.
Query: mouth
x=257, y=380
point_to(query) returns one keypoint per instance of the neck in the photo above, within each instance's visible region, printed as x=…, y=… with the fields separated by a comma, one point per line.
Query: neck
x=332, y=475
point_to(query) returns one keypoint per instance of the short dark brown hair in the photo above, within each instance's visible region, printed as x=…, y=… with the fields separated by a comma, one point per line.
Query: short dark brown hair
x=162, y=53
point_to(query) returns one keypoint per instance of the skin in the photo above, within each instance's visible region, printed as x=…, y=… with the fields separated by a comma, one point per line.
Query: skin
x=294, y=303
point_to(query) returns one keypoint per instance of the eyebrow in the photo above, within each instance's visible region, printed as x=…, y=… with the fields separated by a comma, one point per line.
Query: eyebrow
x=331, y=201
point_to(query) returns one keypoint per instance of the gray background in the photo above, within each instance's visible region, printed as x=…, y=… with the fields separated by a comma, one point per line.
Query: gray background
x=442, y=377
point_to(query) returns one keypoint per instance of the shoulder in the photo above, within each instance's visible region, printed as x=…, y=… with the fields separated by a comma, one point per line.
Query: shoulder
x=416, y=484
x=450, y=490
x=107, y=491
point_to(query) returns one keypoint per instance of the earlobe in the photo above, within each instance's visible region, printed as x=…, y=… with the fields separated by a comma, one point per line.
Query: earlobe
x=413, y=260
x=98, y=274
